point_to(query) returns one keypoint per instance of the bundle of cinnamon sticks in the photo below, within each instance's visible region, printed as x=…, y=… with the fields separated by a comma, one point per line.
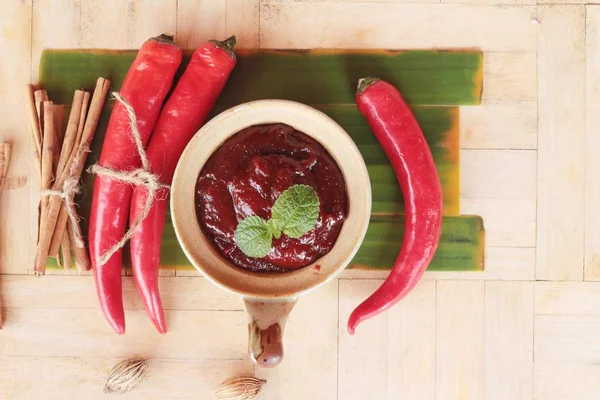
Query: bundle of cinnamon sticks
x=61, y=159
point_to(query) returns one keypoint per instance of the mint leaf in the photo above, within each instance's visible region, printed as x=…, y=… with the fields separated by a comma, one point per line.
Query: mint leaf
x=296, y=210
x=253, y=236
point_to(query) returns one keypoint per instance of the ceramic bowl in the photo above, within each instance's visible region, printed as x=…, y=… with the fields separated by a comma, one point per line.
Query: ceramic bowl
x=269, y=297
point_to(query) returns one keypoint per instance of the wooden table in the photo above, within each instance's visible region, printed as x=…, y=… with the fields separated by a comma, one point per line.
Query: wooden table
x=525, y=328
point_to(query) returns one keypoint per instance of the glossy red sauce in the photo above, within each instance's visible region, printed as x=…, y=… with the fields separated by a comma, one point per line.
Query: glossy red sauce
x=247, y=174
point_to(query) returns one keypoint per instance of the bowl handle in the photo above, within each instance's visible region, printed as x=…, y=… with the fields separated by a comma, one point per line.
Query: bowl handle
x=265, y=330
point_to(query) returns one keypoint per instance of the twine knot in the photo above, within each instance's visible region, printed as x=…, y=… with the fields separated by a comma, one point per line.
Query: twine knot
x=69, y=189
x=139, y=176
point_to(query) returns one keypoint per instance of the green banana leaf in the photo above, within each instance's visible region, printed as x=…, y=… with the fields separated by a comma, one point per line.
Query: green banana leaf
x=461, y=246
x=428, y=79
x=446, y=78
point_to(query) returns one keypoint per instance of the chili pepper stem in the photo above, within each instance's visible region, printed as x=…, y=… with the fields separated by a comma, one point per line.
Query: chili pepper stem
x=164, y=38
x=364, y=83
x=227, y=45
x=230, y=42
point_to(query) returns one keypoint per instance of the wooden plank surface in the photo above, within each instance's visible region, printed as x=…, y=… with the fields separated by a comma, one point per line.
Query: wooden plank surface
x=391, y=344
x=84, y=333
x=55, y=24
x=243, y=20
x=567, y=298
x=354, y=359
x=460, y=340
x=310, y=346
x=505, y=83
x=566, y=349
x=484, y=174
x=368, y=25
x=566, y=339
x=199, y=21
x=561, y=88
x=129, y=23
x=21, y=292
x=583, y=382
x=508, y=222
x=592, y=179
x=508, y=340
x=195, y=378
x=528, y=157
x=20, y=198
x=499, y=126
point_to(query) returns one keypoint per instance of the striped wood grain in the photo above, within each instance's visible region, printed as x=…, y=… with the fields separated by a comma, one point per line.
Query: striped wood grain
x=592, y=166
x=561, y=143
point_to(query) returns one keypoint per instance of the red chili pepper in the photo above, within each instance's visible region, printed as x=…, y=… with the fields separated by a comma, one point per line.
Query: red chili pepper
x=400, y=136
x=145, y=87
x=183, y=114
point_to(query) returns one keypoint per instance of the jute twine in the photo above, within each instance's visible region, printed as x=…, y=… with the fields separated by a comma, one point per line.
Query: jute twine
x=69, y=189
x=140, y=176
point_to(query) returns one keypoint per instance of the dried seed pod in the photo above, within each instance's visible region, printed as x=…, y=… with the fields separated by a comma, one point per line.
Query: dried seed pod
x=126, y=375
x=243, y=388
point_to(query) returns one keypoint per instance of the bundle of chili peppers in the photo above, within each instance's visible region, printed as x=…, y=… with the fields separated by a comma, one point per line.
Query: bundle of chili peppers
x=164, y=131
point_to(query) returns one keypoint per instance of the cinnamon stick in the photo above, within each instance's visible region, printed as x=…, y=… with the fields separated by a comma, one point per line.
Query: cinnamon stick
x=47, y=153
x=59, y=138
x=34, y=123
x=82, y=117
x=93, y=117
x=73, y=126
x=59, y=230
x=57, y=113
x=46, y=230
x=65, y=250
x=80, y=254
x=62, y=216
x=75, y=168
x=40, y=96
x=71, y=132
x=59, y=261
x=47, y=156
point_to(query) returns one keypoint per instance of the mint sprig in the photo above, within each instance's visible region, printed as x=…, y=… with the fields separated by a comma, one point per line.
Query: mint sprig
x=294, y=214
